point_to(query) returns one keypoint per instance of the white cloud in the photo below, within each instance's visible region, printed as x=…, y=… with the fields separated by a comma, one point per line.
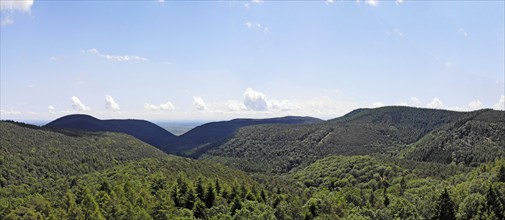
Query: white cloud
x=199, y=104
x=372, y=2
x=78, y=105
x=247, y=6
x=161, y=1
x=168, y=106
x=249, y=24
x=16, y=5
x=398, y=2
x=51, y=109
x=255, y=101
x=9, y=7
x=9, y=112
x=500, y=105
x=257, y=1
x=377, y=104
x=435, y=103
x=110, y=103
x=234, y=105
x=329, y=2
x=118, y=58
x=284, y=105
x=415, y=100
x=475, y=105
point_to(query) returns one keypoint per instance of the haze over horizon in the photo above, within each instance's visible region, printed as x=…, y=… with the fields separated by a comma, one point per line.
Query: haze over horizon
x=218, y=60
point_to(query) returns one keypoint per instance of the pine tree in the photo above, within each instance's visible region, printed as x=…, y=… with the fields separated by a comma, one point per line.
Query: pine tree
x=218, y=186
x=199, y=188
x=199, y=209
x=493, y=203
x=372, y=199
x=237, y=205
x=444, y=209
x=403, y=186
x=210, y=197
x=501, y=174
x=386, y=199
x=90, y=206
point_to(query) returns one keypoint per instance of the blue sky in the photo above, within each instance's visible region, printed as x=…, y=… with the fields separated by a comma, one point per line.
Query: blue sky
x=215, y=60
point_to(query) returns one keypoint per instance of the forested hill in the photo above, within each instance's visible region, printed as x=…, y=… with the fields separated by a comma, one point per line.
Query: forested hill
x=390, y=131
x=203, y=138
x=36, y=156
x=141, y=129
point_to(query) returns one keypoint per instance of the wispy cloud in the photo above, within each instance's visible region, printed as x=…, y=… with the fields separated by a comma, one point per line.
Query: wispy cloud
x=257, y=26
x=398, y=2
x=9, y=112
x=118, y=58
x=168, y=106
x=463, y=32
x=372, y=2
x=16, y=5
x=51, y=109
x=9, y=7
x=78, y=105
x=329, y=2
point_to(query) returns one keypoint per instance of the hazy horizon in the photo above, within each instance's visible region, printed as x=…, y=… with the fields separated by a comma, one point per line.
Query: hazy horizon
x=219, y=60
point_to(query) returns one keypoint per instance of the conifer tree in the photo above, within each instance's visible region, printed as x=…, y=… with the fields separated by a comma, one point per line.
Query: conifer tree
x=444, y=209
x=209, y=196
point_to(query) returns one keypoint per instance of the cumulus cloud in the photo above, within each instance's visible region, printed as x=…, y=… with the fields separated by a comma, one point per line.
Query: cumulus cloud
x=78, y=105
x=199, y=104
x=475, y=105
x=118, y=58
x=168, y=106
x=378, y=104
x=51, y=109
x=234, y=105
x=110, y=103
x=415, y=100
x=255, y=101
x=257, y=26
x=435, y=103
x=500, y=105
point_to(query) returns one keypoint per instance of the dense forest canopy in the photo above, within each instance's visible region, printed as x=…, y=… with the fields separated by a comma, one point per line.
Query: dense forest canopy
x=386, y=163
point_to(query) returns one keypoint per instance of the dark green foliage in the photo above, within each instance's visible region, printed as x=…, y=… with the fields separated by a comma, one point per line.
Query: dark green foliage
x=419, y=134
x=444, y=207
x=501, y=174
x=143, y=130
x=210, y=197
x=236, y=205
x=205, y=137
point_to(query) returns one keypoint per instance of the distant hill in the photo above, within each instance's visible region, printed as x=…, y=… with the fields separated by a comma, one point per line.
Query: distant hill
x=32, y=155
x=143, y=130
x=207, y=136
x=385, y=131
x=473, y=140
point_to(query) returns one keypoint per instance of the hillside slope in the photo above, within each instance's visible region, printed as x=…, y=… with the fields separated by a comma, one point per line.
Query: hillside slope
x=205, y=137
x=385, y=131
x=38, y=156
x=470, y=141
x=141, y=129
